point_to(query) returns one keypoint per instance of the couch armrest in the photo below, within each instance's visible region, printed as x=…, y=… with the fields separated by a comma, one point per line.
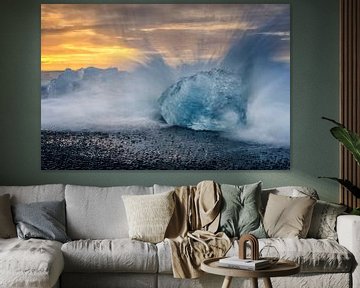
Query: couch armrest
x=348, y=230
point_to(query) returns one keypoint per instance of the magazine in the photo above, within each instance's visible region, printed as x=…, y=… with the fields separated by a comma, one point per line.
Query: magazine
x=236, y=262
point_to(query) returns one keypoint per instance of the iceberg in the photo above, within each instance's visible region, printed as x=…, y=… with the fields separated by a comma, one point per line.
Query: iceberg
x=74, y=80
x=212, y=100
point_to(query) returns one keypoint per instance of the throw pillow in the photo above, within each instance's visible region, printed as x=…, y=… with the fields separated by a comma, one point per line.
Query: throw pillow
x=323, y=222
x=240, y=213
x=7, y=227
x=149, y=215
x=44, y=220
x=288, y=217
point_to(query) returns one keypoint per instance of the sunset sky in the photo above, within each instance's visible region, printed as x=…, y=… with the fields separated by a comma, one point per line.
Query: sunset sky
x=126, y=35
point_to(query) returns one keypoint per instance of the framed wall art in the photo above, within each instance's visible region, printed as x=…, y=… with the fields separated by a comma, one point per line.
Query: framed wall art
x=165, y=86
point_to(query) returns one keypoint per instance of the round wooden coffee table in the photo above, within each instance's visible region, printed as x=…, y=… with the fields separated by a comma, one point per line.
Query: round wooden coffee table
x=281, y=268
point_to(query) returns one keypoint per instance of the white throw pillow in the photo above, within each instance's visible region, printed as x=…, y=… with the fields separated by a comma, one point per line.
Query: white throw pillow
x=149, y=215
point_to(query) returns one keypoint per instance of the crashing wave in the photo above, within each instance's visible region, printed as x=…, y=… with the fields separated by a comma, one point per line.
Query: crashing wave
x=71, y=81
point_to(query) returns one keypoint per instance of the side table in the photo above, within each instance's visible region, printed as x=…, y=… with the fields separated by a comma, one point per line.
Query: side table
x=281, y=268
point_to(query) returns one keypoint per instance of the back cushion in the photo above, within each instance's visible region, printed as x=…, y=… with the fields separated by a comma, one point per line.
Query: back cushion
x=162, y=188
x=36, y=193
x=98, y=213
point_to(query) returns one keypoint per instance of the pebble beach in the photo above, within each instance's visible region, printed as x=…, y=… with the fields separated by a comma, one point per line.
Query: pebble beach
x=157, y=148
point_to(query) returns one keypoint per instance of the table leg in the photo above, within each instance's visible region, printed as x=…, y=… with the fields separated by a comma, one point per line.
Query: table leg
x=267, y=283
x=227, y=282
x=254, y=282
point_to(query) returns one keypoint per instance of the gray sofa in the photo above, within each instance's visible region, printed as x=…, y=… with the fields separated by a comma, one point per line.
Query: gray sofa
x=101, y=254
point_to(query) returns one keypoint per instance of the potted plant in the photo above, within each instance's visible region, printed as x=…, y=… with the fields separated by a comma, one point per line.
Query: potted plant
x=351, y=141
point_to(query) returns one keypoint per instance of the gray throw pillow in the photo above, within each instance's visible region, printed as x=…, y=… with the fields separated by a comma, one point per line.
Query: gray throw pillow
x=240, y=213
x=7, y=226
x=323, y=222
x=44, y=220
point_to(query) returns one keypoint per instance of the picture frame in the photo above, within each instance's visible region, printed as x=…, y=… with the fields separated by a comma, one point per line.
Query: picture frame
x=165, y=86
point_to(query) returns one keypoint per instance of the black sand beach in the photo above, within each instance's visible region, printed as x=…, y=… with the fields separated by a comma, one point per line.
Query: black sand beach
x=171, y=148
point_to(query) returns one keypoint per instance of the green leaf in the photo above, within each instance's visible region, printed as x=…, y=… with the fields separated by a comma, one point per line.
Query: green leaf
x=355, y=211
x=333, y=121
x=347, y=184
x=348, y=138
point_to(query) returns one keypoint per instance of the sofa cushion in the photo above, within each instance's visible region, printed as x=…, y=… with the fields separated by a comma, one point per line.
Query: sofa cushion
x=323, y=222
x=287, y=216
x=117, y=255
x=163, y=188
x=36, y=193
x=313, y=255
x=7, y=226
x=240, y=210
x=164, y=257
x=291, y=191
x=149, y=215
x=98, y=213
x=43, y=220
x=30, y=263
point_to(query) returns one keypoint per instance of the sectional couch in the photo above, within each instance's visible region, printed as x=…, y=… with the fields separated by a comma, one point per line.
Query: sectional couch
x=101, y=254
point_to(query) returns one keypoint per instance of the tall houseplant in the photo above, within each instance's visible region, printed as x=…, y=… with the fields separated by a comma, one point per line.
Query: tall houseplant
x=351, y=141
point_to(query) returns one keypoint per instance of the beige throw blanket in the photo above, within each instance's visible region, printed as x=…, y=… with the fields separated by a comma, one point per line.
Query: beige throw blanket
x=191, y=231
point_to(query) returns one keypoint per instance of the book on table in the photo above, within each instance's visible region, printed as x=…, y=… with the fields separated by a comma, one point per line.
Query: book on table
x=249, y=264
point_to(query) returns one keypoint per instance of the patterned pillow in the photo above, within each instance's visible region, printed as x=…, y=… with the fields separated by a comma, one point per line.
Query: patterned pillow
x=323, y=222
x=149, y=215
x=240, y=213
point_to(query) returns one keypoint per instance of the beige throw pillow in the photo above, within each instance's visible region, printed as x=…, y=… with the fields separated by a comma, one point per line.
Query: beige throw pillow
x=7, y=226
x=149, y=215
x=288, y=217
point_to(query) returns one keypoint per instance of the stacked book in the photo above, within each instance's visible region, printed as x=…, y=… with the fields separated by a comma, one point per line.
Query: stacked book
x=248, y=264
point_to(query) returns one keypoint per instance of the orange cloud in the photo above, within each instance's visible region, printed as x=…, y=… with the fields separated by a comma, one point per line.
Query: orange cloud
x=72, y=43
x=124, y=35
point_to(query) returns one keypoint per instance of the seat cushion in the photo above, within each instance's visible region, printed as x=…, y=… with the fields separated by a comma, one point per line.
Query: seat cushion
x=30, y=263
x=117, y=255
x=313, y=255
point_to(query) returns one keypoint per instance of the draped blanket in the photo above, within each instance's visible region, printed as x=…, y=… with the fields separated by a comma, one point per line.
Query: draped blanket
x=191, y=231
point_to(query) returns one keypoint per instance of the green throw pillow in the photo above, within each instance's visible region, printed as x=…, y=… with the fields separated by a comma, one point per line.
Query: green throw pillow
x=240, y=213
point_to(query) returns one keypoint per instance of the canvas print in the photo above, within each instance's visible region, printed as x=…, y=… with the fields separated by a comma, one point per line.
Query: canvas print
x=165, y=86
